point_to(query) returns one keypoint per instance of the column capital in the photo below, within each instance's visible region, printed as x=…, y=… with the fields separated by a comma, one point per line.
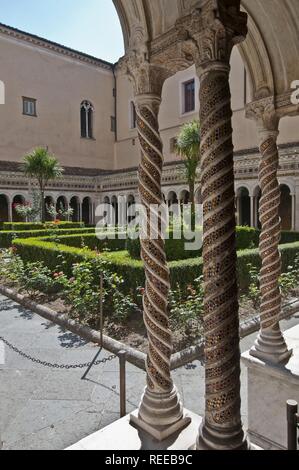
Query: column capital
x=148, y=79
x=210, y=33
x=264, y=113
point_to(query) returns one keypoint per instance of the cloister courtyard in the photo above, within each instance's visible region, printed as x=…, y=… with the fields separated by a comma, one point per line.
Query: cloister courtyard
x=149, y=232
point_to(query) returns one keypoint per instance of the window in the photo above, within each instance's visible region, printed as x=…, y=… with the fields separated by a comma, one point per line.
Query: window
x=189, y=96
x=86, y=120
x=133, y=115
x=29, y=106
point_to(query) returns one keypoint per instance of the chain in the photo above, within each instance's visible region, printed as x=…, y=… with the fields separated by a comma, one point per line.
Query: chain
x=56, y=366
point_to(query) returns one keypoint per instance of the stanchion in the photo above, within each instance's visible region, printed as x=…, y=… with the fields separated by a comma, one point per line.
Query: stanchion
x=101, y=329
x=122, y=382
x=292, y=417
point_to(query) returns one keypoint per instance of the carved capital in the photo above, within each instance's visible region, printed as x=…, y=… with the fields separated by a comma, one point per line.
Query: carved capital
x=265, y=114
x=147, y=79
x=211, y=31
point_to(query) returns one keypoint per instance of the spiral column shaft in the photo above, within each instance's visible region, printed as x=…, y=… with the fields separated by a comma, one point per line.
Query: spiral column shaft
x=160, y=408
x=270, y=345
x=222, y=428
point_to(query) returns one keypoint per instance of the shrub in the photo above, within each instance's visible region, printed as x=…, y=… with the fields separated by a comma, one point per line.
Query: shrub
x=82, y=292
x=91, y=241
x=183, y=272
x=7, y=237
x=24, y=226
x=247, y=238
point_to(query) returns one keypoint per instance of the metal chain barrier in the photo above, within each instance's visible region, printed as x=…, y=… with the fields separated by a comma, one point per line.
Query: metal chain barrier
x=56, y=366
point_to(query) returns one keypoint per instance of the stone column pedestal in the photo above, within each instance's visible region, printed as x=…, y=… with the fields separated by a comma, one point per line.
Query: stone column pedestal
x=269, y=387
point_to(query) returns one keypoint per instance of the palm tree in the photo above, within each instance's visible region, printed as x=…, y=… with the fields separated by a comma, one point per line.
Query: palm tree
x=188, y=147
x=43, y=167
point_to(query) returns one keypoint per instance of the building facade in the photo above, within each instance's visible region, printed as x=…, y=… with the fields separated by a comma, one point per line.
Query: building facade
x=82, y=109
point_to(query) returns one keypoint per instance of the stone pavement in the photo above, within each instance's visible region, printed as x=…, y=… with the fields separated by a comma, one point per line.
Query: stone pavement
x=43, y=408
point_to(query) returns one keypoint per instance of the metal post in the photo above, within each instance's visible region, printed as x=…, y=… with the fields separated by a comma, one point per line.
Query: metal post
x=122, y=382
x=292, y=410
x=101, y=327
x=101, y=308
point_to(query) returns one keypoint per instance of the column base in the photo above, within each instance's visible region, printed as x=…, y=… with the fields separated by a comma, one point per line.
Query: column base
x=269, y=387
x=160, y=414
x=121, y=435
x=159, y=433
x=213, y=439
x=270, y=346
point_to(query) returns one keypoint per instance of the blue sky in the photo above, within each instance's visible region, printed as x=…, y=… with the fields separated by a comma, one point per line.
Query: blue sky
x=90, y=26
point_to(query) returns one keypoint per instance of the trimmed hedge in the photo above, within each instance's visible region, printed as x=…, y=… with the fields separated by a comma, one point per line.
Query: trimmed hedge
x=182, y=272
x=24, y=226
x=247, y=238
x=7, y=237
x=91, y=241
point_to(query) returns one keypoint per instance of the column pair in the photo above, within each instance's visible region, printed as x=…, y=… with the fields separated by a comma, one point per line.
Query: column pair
x=213, y=32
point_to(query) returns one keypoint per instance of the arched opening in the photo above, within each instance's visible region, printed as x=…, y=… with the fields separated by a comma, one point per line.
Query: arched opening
x=173, y=207
x=172, y=199
x=4, y=208
x=107, y=213
x=285, y=209
x=184, y=198
x=49, y=204
x=257, y=194
x=17, y=200
x=61, y=206
x=131, y=209
x=243, y=207
x=75, y=205
x=114, y=204
x=86, y=211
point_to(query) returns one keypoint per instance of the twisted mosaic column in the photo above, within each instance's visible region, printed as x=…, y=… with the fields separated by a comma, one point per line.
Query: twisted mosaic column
x=222, y=427
x=270, y=345
x=161, y=411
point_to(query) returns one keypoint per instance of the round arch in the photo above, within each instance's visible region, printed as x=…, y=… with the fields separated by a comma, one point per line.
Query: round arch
x=86, y=210
x=243, y=206
x=75, y=205
x=17, y=199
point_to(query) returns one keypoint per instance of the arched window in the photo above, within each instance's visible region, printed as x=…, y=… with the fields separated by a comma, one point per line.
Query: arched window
x=87, y=120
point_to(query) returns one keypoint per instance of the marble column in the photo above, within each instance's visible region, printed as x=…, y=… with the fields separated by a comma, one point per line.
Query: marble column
x=270, y=345
x=10, y=210
x=161, y=412
x=238, y=210
x=252, y=212
x=293, y=212
x=219, y=30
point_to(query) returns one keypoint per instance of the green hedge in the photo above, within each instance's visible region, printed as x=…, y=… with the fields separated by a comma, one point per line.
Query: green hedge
x=7, y=237
x=91, y=241
x=24, y=226
x=247, y=237
x=182, y=272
